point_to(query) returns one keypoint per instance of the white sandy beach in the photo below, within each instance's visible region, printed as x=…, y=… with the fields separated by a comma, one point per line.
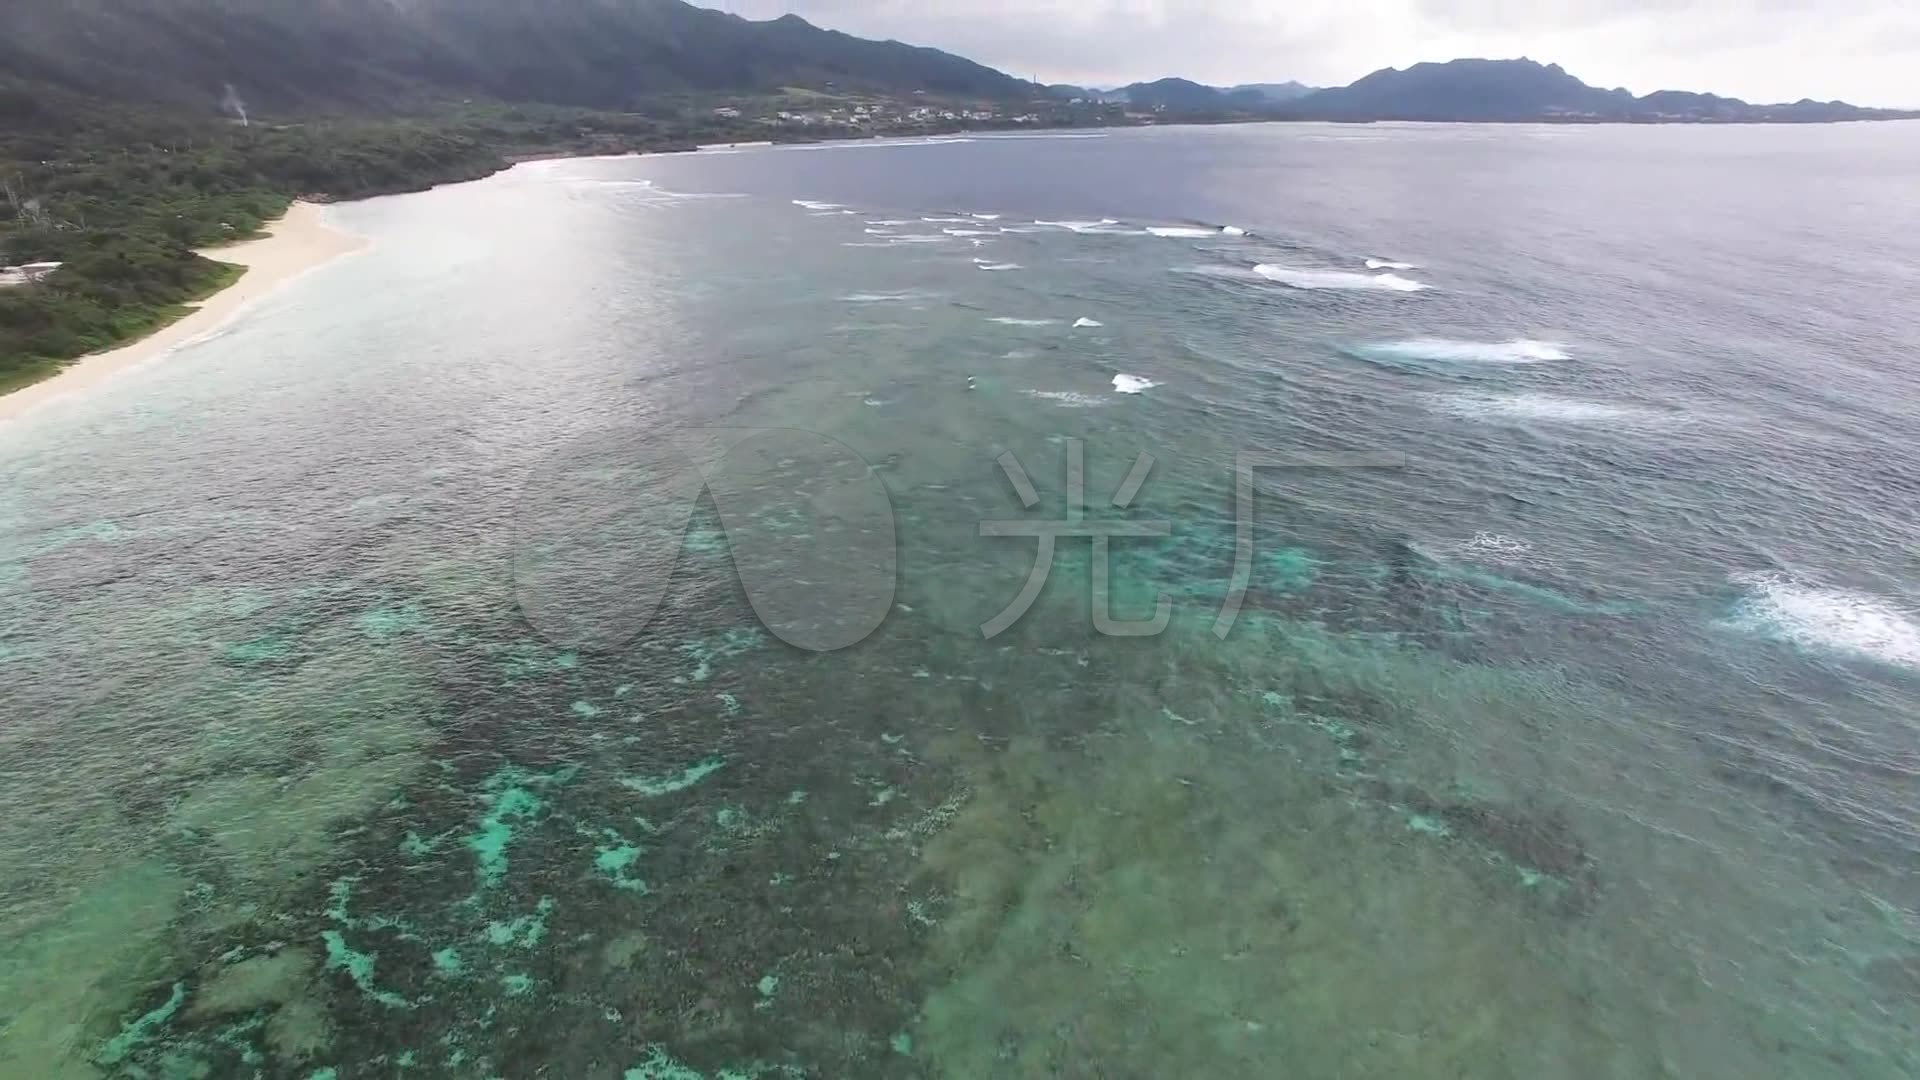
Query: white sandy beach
x=295, y=244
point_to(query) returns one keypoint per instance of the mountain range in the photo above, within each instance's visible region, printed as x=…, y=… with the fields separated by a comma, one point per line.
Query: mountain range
x=393, y=55
x=291, y=55
x=1523, y=90
x=1186, y=95
x=1469, y=90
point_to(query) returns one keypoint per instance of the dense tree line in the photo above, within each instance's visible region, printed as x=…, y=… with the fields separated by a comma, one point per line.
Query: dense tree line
x=124, y=198
x=125, y=195
x=373, y=56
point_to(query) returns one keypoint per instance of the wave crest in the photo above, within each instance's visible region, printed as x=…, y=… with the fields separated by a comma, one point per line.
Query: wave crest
x=1300, y=278
x=1834, y=620
x=1449, y=350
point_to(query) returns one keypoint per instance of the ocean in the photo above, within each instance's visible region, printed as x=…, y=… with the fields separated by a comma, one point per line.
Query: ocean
x=1321, y=601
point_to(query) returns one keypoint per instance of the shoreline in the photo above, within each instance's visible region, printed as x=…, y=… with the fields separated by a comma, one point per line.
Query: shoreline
x=292, y=245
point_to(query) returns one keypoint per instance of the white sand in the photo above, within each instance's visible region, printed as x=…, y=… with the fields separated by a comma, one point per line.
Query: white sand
x=298, y=242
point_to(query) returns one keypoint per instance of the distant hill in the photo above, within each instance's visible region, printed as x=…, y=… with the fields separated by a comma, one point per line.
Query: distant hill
x=1179, y=94
x=1465, y=90
x=1521, y=90
x=1275, y=92
x=1473, y=90
x=387, y=54
x=1182, y=95
x=1069, y=92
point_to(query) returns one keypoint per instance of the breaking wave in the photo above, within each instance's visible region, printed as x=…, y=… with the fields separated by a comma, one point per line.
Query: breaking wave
x=1448, y=350
x=1834, y=620
x=1547, y=407
x=1298, y=278
x=1132, y=384
x=1496, y=547
x=1067, y=399
x=883, y=297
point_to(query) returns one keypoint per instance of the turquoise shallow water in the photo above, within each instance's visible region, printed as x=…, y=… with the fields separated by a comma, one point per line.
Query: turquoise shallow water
x=550, y=643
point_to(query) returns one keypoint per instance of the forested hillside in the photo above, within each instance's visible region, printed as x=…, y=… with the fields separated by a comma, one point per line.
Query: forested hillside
x=134, y=131
x=293, y=55
x=123, y=196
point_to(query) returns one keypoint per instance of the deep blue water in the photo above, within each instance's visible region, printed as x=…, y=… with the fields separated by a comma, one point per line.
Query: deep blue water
x=550, y=643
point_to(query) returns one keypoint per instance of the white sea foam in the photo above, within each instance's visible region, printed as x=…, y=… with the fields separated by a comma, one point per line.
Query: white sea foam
x=883, y=297
x=1384, y=264
x=1016, y=136
x=1182, y=232
x=809, y=204
x=970, y=232
x=1233, y=230
x=891, y=223
x=1300, y=278
x=1004, y=320
x=1448, y=350
x=1837, y=620
x=948, y=220
x=1548, y=408
x=1067, y=399
x=1496, y=547
x=656, y=194
x=918, y=238
x=1084, y=324
x=986, y=217
x=880, y=232
x=871, y=144
x=1103, y=225
x=1233, y=273
x=1132, y=384
x=992, y=267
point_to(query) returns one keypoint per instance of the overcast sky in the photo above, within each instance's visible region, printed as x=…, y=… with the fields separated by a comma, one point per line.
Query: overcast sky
x=1864, y=51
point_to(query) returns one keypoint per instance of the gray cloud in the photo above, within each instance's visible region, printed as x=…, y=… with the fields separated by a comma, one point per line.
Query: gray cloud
x=1866, y=51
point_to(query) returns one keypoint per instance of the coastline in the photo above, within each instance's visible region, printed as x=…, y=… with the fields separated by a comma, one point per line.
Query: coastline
x=295, y=243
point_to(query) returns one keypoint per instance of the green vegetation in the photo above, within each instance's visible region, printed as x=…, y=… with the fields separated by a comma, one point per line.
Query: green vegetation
x=125, y=146
x=125, y=196
x=124, y=211
x=124, y=199
x=378, y=56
